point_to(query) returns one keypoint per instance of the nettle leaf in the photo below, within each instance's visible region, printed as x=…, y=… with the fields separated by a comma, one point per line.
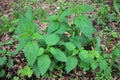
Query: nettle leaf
x=63, y=27
x=31, y=52
x=70, y=46
x=52, y=66
x=85, y=56
x=53, y=26
x=43, y=63
x=116, y=7
x=10, y=63
x=2, y=72
x=25, y=25
x=20, y=46
x=68, y=12
x=51, y=39
x=85, y=8
x=95, y=54
x=71, y=63
x=75, y=52
x=37, y=36
x=15, y=78
x=53, y=18
x=26, y=71
x=79, y=41
x=116, y=52
x=24, y=36
x=41, y=51
x=103, y=64
x=58, y=54
x=85, y=25
x=36, y=70
x=58, y=24
x=84, y=65
x=29, y=14
x=59, y=28
x=94, y=65
x=2, y=60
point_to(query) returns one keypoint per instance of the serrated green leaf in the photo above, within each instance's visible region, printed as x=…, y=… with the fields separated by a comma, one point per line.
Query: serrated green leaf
x=53, y=18
x=94, y=65
x=116, y=7
x=51, y=39
x=85, y=56
x=29, y=14
x=43, y=63
x=25, y=25
x=2, y=60
x=24, y=36
x=36, y=70
x=53, y=26
x=116, y=52
x=26, y=71
x=20, y=46
x=95, y=54
x=68, y=12
x=63, y=27
x=10, y=63
x=85, y=8
x=52, y=66
x=84, y=65
x=75, y=52
x=2, y=72
x=85, y=25
x=37, y=36
x=58, y=54
x=31, y=52
x=103, y=64
x=71, y=63
x=79, y=41
x=15, y=78
x=41, y=51
x=70, y=46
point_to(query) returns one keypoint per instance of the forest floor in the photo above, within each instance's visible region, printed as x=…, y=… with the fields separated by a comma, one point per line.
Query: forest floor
x=8, y=7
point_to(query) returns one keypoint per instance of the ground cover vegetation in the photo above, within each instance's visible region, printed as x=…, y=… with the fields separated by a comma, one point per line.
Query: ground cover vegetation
x=60, y=40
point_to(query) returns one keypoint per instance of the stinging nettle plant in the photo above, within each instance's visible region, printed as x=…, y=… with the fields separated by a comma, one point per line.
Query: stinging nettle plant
x=44, y=51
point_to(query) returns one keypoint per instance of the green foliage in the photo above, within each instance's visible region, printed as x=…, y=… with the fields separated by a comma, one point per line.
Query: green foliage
x=31, y=52
x=117, y=53
x=51, y=39
x=15, y=78
x=116, y=7
x=62, y=43
x=6, y=60
x=85, y=56
x=3, y=60
x=7, y=24
x=26, y=71
x=36, y=70
x=41, y=55
x=43, y=63
x=10, y=63
x=70, y=46
x=58, y=54
x=2, y=72
x=71, y=63
x=85, y=26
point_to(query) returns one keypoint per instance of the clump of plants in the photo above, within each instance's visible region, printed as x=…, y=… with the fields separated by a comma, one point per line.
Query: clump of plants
x=6, y=62
x=70, y=46
x=6, y=24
